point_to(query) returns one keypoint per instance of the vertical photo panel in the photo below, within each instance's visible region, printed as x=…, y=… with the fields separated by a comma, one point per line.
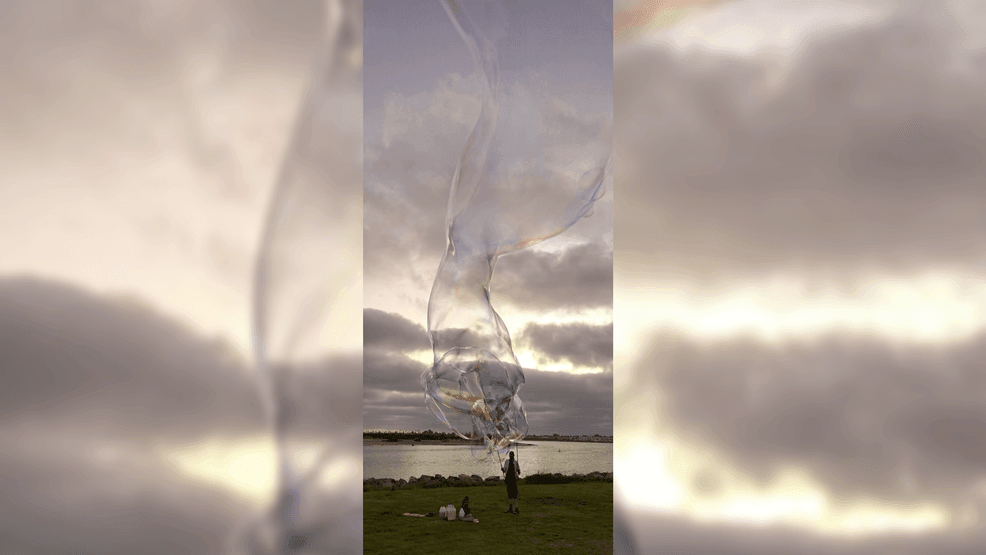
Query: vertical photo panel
x=799, y=281
x=181, y=185
x=488, y=284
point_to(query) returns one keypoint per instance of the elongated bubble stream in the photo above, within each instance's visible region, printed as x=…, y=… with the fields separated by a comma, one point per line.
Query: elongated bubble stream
x=307, y=287
x=530, y=169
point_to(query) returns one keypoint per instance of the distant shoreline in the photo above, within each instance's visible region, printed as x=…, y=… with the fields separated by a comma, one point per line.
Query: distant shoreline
x=466, y=480
x=384, y=442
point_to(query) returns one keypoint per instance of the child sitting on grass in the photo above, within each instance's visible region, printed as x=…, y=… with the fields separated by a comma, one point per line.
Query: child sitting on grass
x=465, y=509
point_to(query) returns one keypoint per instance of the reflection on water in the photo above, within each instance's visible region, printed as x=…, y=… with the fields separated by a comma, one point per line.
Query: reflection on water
x=404, y=461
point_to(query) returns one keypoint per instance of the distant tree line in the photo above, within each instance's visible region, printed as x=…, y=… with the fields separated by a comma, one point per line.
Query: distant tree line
x=449, y=436
x=415, y=436
x=595, y=438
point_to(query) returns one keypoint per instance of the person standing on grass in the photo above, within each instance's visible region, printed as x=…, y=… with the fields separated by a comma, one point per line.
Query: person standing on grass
x=512, y=471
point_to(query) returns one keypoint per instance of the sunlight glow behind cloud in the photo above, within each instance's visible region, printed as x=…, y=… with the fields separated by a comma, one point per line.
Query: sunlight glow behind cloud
x=937, y=308
x=929, y=308
x=794, y=498
x=244, y=467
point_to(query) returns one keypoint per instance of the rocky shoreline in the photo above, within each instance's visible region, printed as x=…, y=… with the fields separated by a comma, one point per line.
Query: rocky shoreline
x=465, y=480
x=367, y=442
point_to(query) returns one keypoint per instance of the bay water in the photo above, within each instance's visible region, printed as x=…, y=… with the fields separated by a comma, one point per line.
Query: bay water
x=404, y=461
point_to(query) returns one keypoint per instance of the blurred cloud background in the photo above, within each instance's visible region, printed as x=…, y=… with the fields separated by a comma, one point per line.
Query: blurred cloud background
x=141, y=142
x=799, y=323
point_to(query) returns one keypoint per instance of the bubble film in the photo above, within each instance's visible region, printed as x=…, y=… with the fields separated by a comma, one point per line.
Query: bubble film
x=308, y=265
x=530, y=169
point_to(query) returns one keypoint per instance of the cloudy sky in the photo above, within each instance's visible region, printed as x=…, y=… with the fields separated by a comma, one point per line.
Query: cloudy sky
x=140, y=144
x=799, y=299
x=141, y=141
x=421, y=102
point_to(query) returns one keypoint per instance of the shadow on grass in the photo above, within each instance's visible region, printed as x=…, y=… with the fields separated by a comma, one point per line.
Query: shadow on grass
x=555, y=518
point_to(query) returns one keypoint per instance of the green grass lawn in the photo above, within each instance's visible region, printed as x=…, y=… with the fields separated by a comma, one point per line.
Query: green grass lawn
x=562, y=518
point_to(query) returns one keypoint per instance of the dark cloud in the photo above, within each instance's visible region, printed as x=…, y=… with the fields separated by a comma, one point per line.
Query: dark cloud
x=658, y=533
x=556, y=402
x=82, y=374
x=85, y=375
x=321, y=398
x=576, y=278
x=868, y=151
x=393, y=397
x=391, y=372
x=867, y=416
x=69, y=355
x=392, y=331
x=581, y=344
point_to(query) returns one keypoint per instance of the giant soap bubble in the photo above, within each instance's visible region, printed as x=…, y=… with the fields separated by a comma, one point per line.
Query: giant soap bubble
x=532, y=167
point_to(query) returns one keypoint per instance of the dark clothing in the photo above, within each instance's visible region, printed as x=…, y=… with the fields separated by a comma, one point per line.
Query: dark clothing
x=513, y=471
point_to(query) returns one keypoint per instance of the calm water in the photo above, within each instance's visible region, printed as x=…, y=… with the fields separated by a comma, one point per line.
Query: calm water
x=404, y=461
